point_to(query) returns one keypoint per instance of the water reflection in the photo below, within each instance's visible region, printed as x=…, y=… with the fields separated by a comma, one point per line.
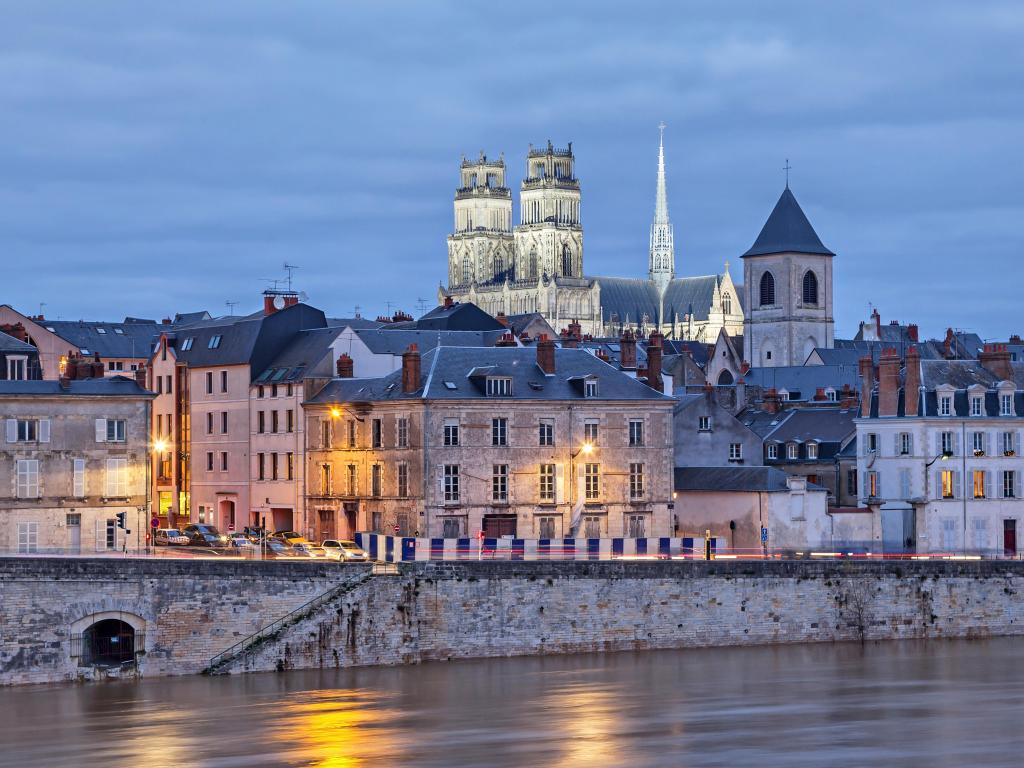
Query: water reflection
x=935, y=704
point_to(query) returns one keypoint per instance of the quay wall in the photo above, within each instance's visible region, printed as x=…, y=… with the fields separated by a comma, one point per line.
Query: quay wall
x=193, y=610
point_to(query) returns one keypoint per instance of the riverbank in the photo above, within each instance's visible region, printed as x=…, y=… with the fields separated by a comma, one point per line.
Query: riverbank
x=182, y=614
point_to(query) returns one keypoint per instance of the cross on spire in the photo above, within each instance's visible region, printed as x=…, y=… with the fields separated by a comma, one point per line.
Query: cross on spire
x=787, y=167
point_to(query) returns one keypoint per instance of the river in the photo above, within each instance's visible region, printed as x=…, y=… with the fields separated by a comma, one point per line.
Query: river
x=939, y=703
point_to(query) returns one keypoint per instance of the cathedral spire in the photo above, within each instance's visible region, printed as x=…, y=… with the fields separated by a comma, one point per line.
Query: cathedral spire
x=661, y=263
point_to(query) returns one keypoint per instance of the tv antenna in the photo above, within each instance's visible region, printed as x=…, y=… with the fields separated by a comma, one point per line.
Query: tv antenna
x=289, y=268
x=274, y=282
x=231, y=307
x=421, y=305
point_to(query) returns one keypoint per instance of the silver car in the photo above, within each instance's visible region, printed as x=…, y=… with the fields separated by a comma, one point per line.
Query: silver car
x=342, y=549
x=169, y=536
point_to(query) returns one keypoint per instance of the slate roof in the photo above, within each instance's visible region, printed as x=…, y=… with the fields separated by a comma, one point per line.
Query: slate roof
x=128, y=339
x=187, y=318
x=300, y=356
x=787, y=230
x=353, y=322
x=746, y=479
x=801, y=381
x=109, y=386
x=459, y=373
x=962, y=375
x=631, y=299
x=823, y=425
x=460, y=316
x=10, y=344
x=394, y=341
x=850, y=351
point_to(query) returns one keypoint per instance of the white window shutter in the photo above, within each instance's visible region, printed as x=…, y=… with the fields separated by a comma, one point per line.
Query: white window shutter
x=101, y=430
x=896, y=444
x=559, y=484
x=938, y=443
x=938, y=484
x=1016, y=483
x=956, y=443
x=44, y=430
x=910, y=441
x=957, y=490
x=12, y=430
x=1016, y=446
x=866, y=482
x=989, y=490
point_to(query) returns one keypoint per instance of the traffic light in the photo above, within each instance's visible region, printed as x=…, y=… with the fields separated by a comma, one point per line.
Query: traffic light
x=122, y=520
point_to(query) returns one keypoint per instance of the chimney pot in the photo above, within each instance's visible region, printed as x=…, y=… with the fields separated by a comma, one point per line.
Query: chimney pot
x=546, y=354
x=654, y=358
x=888, y=382
x=627, y=350
x=344, y=366
x=411, y=369
x=912, y=384
x=867, y=384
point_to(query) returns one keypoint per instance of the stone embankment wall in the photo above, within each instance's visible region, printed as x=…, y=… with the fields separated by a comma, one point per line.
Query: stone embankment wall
x=439, y=611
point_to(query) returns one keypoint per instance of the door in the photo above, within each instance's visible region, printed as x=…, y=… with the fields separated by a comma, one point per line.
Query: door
x=326, y=524
x=350, y=521
x=1009, y=538
x=592, y=527
x=496, y=526
x=74, y=533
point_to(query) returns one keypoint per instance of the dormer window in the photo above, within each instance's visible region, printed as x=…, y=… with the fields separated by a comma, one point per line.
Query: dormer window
x=101, y=330
x=830, y=395
x=976, y=406
x=783, y=394
x=1006, y=404
x=773, y=451
x=812, y=450
x=946, y=405
x=186, y=345
x=499, y=386
x=792, y=451
x=214, y=342
x=590, y=388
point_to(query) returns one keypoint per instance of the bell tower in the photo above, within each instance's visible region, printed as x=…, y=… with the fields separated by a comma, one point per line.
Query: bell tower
x=480, y=250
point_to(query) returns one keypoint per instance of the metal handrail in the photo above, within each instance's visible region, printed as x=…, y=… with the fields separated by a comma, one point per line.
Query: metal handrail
x=247, y=642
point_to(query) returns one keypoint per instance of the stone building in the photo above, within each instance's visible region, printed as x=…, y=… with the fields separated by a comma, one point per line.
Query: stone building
x=709, y=435
x=536, y=266
x=531, y=442
x=74, y=455
x=19, y=360
x=939, y=444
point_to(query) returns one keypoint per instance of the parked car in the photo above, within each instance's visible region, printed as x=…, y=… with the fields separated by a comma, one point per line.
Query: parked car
x=169, y=537
x=240, y=541
x=309, y=549
x=289, y=538
x=342, y=549
x=200, y=535
x=273, y=548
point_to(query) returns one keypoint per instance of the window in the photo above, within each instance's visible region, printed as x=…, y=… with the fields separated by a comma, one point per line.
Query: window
x=499, y=386
x=767, y=289
x=27, y=471
x=592, y=481
x=223, y=381
x=351, y=433
x=978, y=443
x=214, y=342
x=976, y=406
x=1009, y=484
x=830, y=395
x=274, y=422
x=28, y=537
x=451, y=482
x=261, y=421
x=812, y=450
x=499, y=482
x=904, y=443
x=727, y=303
x=872, y=485
x=590, y=388
x=773, y=451
x=209, y=461
x=978, y=481
x=547, y=433
x=376, y=433
x=223, y=461
x=592, y=527
x=273, y=390
x=451, y=432
x=547, y=527
x=946, y=481
x=261, y=466
x=186, y=345
x=375, y=480
x=946, y=443
x=946, y=405
x=273, y=466
x=209, y=382
x=547, y=482
x=403, y=481
x=904, y=483
x=22, y=430
x=290, y=459
x=636, y=526
x=116, y=430
x=949, y=534
x=1009, y=447
x=810, y=288
x=259, y=392
x=636, y=481
x=1006, y=405
x=851, y=482
x=872, y=443
x=499, y=431
x=636, y=432
x=117, y=478
x=590, y=432
x=704, y=424
x=325, y=433
x=451, y=527
x=403, y=432
x=16, y=368
x=209, y=423
x=735, y=451
x=325, y=479
x=78, y=478
x=352, y=480
x=792, y=451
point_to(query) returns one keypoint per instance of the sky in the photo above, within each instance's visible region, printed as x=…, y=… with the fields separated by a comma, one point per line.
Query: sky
x=168, y=157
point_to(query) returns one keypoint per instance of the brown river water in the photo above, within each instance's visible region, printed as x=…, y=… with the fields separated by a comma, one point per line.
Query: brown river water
x=939, y=703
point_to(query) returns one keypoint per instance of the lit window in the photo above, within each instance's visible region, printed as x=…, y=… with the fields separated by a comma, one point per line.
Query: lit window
x=979, y=483
x=872, y=482
x=948, y=490
x=547, y=482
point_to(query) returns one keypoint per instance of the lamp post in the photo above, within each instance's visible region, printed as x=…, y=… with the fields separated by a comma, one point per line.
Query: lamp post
x=941, y=457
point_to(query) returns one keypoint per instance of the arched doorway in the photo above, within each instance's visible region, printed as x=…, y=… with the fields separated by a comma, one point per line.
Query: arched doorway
x=724, y=378
x=108, y=643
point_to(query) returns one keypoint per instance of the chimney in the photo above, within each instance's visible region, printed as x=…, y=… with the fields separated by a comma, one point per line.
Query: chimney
x=166, y=321
x=741, y=394
x=546, y=354
x=506, y=340
x=848, y=398
x=502, y=318
x=878, y=323
x=995, y=358
x=291, y=300
x=888, y=382
x=654, y=380
x=576, y=330
x=912, y=332
x=1015, y=339
x=268, y=304
x=97, y=366
x=140, y=376
x=448, y=302
x=568, y=340
x=912, y=382
x=627, y=350
x=947, y=345
x=344, y=366
x=771, y=402
x=819, y=394
x=867, y=384
x=411, y=369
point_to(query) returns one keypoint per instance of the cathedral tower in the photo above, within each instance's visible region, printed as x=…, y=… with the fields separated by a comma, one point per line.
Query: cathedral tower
x=787, y=284
x=661, y=267
x=480, y=250
x=549, y=238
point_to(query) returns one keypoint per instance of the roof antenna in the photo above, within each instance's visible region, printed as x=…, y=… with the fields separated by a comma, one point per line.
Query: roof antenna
x=231, y=307
x=787, y=168
x=289, y=268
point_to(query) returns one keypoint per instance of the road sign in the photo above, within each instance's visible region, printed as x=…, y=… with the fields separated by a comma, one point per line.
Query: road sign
x=154, y=523
x=398, y=530
x=479, y=534
x=764, y=534
x=231, y=527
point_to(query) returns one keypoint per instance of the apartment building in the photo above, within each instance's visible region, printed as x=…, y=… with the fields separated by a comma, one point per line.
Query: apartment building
x=530, y=442
x=939, y=452
x=73, y=457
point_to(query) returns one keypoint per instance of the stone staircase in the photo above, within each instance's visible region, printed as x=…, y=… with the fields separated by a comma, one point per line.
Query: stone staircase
x=246, y=648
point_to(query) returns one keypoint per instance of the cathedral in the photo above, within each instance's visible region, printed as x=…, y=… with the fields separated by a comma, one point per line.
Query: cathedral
x=537, y=264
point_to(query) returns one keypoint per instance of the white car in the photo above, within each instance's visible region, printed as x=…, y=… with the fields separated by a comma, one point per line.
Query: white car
x=341, y=549
x=167, y=536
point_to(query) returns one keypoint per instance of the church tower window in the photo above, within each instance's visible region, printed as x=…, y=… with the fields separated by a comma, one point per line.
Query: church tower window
x=532, y=265
x=810, y=288
x=727, y=303
x=566, y=261
x=767, y=289
x=467, y=270
x=499, y=266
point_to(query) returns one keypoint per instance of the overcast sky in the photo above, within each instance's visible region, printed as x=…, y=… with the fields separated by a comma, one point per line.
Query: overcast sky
x=163, y=157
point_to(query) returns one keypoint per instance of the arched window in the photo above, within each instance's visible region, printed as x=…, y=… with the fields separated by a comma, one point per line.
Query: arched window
x=499, y=266
x=566, y=260
x=767, y=289
x=724, y=378
x=727, y=303
x=810, y=288
x=533, y=264
x=467, y=270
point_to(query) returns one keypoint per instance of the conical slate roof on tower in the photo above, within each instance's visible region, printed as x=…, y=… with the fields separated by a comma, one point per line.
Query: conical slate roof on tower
x=787, y=231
